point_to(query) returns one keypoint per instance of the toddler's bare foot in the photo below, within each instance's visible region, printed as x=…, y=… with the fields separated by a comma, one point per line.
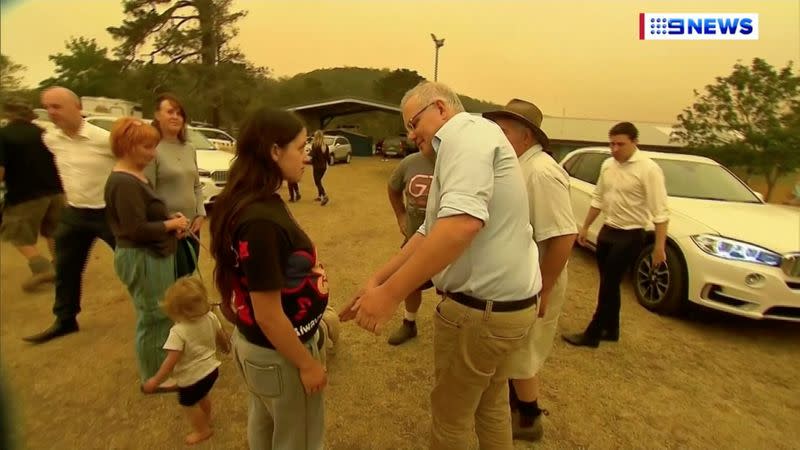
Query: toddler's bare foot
x=194, y=438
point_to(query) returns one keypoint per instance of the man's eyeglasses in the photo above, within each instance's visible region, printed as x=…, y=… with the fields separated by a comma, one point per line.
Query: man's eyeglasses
x=412, y=124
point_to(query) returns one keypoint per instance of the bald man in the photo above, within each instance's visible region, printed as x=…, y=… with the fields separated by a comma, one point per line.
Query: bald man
x=84, y=160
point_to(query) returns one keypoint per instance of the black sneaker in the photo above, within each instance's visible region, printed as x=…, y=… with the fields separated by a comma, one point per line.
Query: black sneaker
x=408, y=330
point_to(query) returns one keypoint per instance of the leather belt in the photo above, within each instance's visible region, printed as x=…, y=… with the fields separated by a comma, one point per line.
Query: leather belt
x=489, y=305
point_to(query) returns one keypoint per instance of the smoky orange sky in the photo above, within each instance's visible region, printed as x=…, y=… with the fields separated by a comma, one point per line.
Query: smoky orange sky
x=571, y=57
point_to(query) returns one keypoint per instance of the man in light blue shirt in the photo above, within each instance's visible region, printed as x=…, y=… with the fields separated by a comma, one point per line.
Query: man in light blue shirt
x=476, y=244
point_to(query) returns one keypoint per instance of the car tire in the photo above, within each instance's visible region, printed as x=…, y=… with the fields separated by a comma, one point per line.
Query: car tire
x=664, y=291
x=347, y=158
x=332, y=159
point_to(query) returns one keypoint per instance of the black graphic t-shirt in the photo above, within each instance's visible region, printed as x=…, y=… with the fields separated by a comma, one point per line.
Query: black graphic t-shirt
x=274, y=253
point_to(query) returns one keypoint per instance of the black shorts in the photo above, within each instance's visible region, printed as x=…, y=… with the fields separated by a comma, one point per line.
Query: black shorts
x=426, y=285
x=190, y=395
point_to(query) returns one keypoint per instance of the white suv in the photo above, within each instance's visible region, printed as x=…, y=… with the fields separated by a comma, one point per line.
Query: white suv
x=338, y=146
x=212, y=164
x=726, y=248
x=220, y=139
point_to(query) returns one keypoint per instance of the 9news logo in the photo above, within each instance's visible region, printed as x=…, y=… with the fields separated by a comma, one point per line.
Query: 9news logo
x=698, y=27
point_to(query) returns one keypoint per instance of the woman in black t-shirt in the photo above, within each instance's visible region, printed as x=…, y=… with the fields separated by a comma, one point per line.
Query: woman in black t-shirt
x=319, y=161
x=267, y=266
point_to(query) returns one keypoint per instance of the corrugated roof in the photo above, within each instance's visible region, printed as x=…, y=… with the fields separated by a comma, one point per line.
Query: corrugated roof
x=575, y=129
x=596, y=130
x=345, y=105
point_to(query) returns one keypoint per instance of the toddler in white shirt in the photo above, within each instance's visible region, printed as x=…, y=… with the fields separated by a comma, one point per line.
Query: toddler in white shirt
x=191, y=353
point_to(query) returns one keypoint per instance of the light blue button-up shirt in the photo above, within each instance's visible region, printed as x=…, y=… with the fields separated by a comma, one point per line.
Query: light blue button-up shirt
x=477, y=173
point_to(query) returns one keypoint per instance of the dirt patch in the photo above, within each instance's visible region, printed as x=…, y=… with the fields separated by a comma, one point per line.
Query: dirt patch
x=707, y=381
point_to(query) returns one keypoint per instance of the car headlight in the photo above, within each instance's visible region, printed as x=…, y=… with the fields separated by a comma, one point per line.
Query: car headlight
x=736, y=250
x=204, y=173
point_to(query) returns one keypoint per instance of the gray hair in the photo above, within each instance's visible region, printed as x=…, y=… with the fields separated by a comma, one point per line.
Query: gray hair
x=62, y=91
x=429, y=92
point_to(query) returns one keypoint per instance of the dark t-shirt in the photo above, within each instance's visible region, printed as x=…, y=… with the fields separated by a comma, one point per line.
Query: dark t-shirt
x=136, y=215
x=30, y=169
x=319, y=156
x=274, y=253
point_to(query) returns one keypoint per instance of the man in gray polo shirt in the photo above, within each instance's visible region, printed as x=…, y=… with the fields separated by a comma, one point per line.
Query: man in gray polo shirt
x=476, y=246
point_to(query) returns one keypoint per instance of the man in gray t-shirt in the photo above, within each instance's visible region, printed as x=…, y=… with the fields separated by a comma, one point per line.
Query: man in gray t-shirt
x=412, y=180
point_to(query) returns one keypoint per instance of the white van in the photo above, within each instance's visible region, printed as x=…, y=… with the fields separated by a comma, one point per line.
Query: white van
x=102, y=106
x=212, y=164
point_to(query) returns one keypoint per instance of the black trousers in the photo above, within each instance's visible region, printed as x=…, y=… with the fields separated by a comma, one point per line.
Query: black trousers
x=616, y=252
x=77, y=231
x=318, y=174
x=294, y=191
x=184, y=263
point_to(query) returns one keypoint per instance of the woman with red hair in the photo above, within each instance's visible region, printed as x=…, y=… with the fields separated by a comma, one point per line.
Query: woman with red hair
x=144, y=258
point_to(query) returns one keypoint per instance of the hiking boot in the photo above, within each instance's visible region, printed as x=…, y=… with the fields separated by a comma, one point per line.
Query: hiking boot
x=527, y=428
x=408, y=330
x=38, y=279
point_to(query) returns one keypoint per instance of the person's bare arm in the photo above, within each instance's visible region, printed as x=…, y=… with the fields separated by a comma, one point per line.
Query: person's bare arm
x=223, y=340
x=396, y=200
x=553, y=263
x=660, y=246
x=278, y=329
x=348, y=312
x=591, y=216
x=447, y=240
x=173, y=356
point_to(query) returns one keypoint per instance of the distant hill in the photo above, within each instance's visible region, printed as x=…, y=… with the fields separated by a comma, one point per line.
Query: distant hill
x=382, y=85
x=360, y=82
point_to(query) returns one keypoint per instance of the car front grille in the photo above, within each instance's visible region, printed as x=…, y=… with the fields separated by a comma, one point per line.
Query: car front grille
x=220, y=176
x=791, y=264
x=790, y=312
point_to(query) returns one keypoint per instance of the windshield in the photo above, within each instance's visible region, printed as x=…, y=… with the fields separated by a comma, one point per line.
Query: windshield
x=692, y=179
x=103, y=123
x=392, y=141
x=198, y=141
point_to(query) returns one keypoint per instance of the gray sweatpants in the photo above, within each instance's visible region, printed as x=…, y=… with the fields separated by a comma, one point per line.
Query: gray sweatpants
x=281, y=415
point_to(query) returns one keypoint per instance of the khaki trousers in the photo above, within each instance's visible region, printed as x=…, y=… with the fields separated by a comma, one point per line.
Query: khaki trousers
x=471, y=390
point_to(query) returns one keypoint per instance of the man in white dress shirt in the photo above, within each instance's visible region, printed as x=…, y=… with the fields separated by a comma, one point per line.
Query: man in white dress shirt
x=631, y=192
x=84, y=160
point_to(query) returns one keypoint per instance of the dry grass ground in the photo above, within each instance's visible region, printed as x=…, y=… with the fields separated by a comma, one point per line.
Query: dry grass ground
x=708, y=381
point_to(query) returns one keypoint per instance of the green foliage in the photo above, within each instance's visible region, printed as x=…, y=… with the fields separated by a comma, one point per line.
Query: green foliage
x=10, y=74
x=393, y=86
x=85, y=67
x=749, y=119
x=187, y=50
x=184, y=31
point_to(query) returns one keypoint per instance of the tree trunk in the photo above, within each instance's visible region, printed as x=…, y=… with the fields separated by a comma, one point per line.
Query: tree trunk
x=208, y=52
x=772, y=179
